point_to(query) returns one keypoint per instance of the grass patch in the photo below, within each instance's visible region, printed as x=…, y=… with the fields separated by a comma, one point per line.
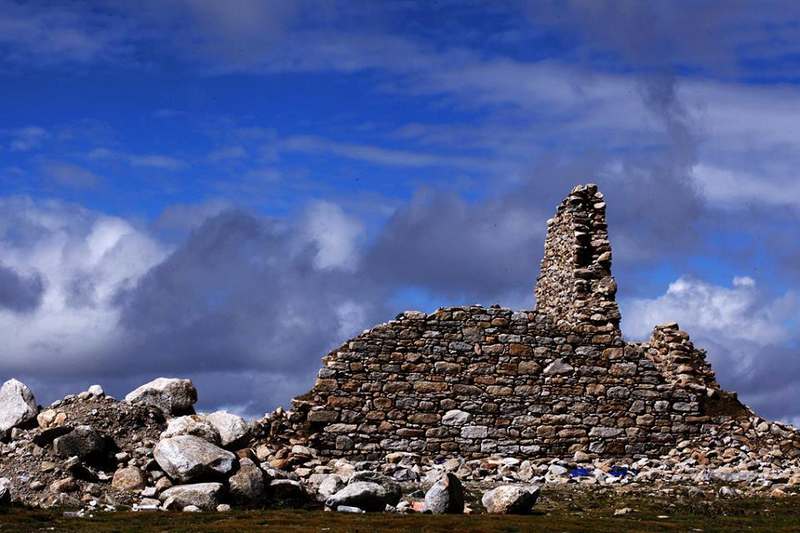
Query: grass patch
x=567, y=512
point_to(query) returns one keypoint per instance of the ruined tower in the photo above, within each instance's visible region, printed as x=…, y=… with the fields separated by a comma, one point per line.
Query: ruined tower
x=575, y=288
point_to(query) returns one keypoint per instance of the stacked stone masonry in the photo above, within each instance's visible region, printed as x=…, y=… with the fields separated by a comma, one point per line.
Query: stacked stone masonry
x=475, y=381
x=575, y=287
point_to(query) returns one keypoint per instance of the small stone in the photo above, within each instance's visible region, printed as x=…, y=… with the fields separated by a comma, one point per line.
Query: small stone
x=46, y=418
x=232, y=428
x=163, y=484
x=128, y=479
x=173, y=396
x=349, y=509
x=446, y=496
x=288, y=492
x=83, y=442
x=96, y=390
x=195, y=425
x=5, y=491
x=64, y=485
x=362, y=494
x=581, y=457
x=247, y=485
x=456, y=417
x=201, y=495
x=511, y=499
x=557, y=367
x=393, y=490
x=329, y=486
x=474, y=432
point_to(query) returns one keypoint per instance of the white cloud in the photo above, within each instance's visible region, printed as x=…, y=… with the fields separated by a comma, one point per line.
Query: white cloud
x=336, y=235
x=751, y=337
x=376, y=154
x=156, y=161
x=159, y=161
x=84, y=259
x=352, y=316
x=731, y=188
x=725, y=314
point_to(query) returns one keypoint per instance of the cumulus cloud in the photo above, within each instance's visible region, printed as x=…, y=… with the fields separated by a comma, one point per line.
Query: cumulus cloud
x=335, y=234
x=83, y=259
x=747, y=332
x=241, y=298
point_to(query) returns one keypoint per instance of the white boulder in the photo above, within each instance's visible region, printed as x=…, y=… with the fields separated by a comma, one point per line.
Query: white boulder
x=205, y=496
x=172, y=395
x=17, y=405
x=231, y=428
x=186, y=458
x=191, y=425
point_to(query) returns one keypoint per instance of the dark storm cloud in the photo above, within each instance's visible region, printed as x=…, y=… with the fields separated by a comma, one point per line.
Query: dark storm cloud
x=445, y=244
x=243, y=294
x=20, y=293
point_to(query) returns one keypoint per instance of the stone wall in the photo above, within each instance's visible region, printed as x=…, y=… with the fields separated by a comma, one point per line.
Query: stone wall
x=575, y=288
x=476, y=381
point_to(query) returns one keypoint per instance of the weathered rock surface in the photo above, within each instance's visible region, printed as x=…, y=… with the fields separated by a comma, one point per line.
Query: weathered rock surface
x=65, y=485
x=231, y=428
x=446, y=496
x=83, y=442
x=129, y=478
x=247, y=486
x=17, y=405
x=5, y=491
x=187, y=458
x=196, y=425
x=365, y=495
x=392, y=488
x=205, y=496
x=329, y=486
x=173, y=396
x=288, y=492
x=511, y=499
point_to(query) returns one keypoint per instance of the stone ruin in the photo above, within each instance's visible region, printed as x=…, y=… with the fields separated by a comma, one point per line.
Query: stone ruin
x=553, y=397
x=473, y=381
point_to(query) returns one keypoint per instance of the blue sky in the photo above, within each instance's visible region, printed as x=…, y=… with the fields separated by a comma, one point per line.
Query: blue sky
x=228, y=190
